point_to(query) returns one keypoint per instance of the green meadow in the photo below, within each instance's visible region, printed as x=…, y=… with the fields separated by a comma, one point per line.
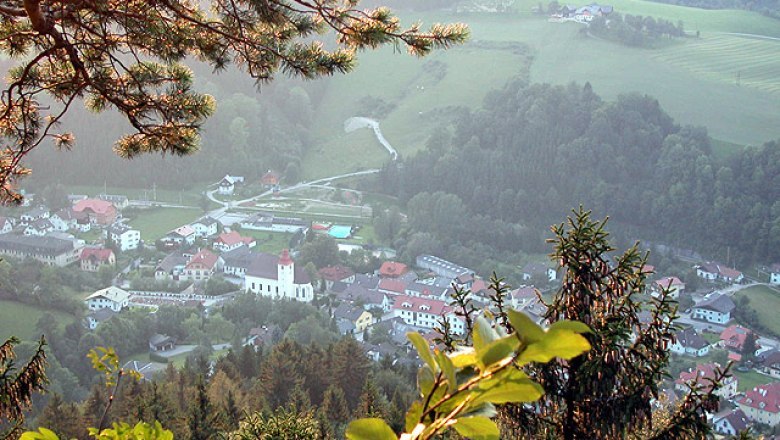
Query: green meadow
x=695, y=79
x=17, y=319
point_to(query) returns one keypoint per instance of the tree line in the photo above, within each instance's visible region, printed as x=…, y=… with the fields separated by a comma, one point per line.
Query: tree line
x=635, y=30
x=489, y=183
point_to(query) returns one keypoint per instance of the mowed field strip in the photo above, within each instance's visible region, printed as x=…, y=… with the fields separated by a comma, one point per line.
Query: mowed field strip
x=741, y=60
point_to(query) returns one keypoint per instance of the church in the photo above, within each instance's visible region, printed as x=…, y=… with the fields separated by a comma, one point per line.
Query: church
x=278, y=278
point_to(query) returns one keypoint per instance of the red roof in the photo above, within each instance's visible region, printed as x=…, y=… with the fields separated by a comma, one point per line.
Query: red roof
x=335, y=273
x=523, y=293
x=647, y=269
x=95, y=205
x=417, y=304
x=284, y=258
x=670, y=282
x=205, y=258
x=270, y=178
x=391, y=285
x=729, y=272
x=320, y=226
x=775, y=268
x=100, y=254
x=700, y=374
x=232, y=238
x=734, y=336
x=763, y=397
x=392, y=269
x=478, y=285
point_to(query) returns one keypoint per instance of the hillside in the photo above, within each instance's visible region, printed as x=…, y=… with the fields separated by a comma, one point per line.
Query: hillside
x=694, y=79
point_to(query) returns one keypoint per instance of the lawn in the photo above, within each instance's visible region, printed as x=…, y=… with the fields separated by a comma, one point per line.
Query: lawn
x=748, y=380
x=17, y=319
x=269, y=241
x=766, y=302
x=154, y=223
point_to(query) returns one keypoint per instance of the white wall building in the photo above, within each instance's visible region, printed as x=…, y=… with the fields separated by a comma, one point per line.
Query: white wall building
x=205, y=227
x=278, y=278
x=112, y=298
x=125, y=237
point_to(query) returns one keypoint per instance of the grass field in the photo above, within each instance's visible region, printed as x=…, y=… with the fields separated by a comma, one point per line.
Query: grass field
x=269, y=241
x=694, y=79
x=156, y=222
x=190, y=196
x=17, y=319
x=766, y=302
x=749, y=379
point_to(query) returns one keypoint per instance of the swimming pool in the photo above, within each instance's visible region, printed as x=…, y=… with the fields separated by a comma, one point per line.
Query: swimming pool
x=340, y=231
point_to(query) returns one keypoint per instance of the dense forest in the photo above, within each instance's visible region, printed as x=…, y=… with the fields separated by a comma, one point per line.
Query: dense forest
x=493, y=180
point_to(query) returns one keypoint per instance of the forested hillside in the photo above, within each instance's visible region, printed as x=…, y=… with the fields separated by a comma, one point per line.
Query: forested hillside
x=499, y=175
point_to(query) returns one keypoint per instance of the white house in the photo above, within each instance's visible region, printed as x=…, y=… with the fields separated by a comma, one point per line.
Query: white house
x=774, y=274
x=226, y=186
x=63, y=220
x=34, y=214
x=762, y=404
x=112, y=298
x=538, y=271
x=95, y=318
x=205, y=227
x=228, y=241
x=181, y=235
x=715, y=309
x=125, y=237
x=732, y=423
x=424, y=313
x=687, y=342
x=674, y=284
x=716, y=271
x=39, y=228
x=6, y=225
x=278, y=278
x=702, y=374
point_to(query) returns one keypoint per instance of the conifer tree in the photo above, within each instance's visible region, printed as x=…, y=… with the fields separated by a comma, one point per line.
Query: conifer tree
x=334, y=405
x=371, y=403
x=202, y=418
x=128, y=55
x=350, y=369
x=64, y=418
x=17, y=385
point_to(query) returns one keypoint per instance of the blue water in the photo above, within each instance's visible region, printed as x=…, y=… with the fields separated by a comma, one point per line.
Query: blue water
x=339, y=231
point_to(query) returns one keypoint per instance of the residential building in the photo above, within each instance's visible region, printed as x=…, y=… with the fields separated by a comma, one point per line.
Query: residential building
x=358, y=318
x=48, y=250
x=715, y=309
x=159, y=342
x=731, y=423
x=425, y=290
x=94, y=319
x=332, y=274
x=704, y=374
x=171, y=267
x=688, y=342
x=228, y=241
x=392, y=286
x=99, y=212
x=278, y=277
x=271, y=179
x=392, y=269
x=771, y=363
x=369, y=299
x=124, y=237
x=237, y=261
x=205, y=227
x=673, y=284
x=34, y=214
x=264, y=336
x=734, y=336
x=111, y=297
x=64, y=220
x=6, y=225
x=762, y=404
x=202, y=266
x=538, y=271
x=717, y=271
x=39, y=228
x=119, y=201
x=774, y=274
x=424, y=313
x=226, y=186
x=92, y=259
x=183, y=235
x=441, y=267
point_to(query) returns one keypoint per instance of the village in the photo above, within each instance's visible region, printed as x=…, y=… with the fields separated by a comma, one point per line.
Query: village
x=395, y=299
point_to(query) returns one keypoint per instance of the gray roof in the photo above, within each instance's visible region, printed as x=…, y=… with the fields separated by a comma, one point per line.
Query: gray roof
x=158, y=339
x=688, y=337
x=118, y=228
x=348, y=312
x=717, y=303
x=206, y=221
x=266, y=266
x=370, y=282
x=737, y=419
x=239, y=257
x=35, y=245
x=171, y=261
x=101, y=315
x=355, y=292
x=36, y=212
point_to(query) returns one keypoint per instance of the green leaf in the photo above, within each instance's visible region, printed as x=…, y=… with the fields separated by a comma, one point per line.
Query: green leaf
x=448, y=369
x=422, y=349
x=465, y=358
x=562, y=344
x=413, y=416
x=425, y=380
x=497, y=350
x=527, y=330
x=41, y=434
x=514, y=391
x=369, y=429
x=477, y=428
x=483, y=333
x=572, y=326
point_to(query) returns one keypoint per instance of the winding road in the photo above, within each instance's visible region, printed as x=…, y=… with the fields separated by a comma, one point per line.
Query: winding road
x=358, y=122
